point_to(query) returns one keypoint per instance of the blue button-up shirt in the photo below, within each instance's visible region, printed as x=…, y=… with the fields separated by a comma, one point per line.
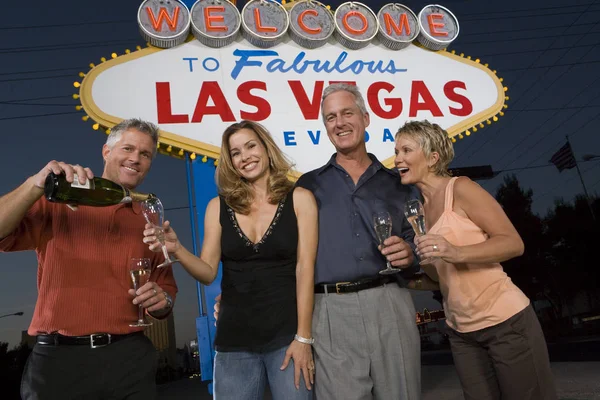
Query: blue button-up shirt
x=347, y=242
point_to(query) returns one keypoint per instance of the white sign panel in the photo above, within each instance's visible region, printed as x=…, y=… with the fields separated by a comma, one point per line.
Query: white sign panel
x=193, y=92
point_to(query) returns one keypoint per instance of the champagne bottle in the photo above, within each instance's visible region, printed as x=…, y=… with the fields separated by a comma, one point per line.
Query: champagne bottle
x=97, y=192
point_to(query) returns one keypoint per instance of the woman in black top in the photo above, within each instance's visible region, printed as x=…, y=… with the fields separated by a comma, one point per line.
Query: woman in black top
x=264, y=231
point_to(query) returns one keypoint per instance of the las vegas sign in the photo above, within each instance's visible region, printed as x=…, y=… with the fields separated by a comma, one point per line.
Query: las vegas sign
x=212, y=65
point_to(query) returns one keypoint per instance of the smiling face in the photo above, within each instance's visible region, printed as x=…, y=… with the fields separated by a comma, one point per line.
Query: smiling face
x=248, y=154
x=412, y=163
x=344, y=121
x=129, y=159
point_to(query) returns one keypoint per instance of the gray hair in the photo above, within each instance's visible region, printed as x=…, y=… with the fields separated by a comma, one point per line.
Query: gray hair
x=346, y=87
x=140, y=125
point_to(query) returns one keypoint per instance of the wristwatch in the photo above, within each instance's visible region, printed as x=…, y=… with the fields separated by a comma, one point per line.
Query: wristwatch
x=169, y=300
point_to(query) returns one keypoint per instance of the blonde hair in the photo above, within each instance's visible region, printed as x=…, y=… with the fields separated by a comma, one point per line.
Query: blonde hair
x=432, y=139
x=236, y=191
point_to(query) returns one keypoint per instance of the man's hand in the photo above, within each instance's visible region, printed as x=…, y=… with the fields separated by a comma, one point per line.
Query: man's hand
x=397, y=252
x=58, y=167
x=151, y=296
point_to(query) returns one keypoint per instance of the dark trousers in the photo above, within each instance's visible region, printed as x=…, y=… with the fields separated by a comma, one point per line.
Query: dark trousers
x=122, y=370
x=507, y=361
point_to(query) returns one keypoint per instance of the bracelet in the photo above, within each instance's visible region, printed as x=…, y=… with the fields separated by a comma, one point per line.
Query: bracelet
x=304, y=340
x=418, y=283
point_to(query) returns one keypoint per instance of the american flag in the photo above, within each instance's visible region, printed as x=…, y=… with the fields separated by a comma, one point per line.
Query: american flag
x=564, y=158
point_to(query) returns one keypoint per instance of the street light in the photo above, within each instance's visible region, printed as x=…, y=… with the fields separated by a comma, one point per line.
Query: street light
x=588, y=157
x=19, y=313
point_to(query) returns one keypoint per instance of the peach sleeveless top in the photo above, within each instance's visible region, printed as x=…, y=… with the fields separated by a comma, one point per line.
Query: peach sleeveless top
x=476, y=296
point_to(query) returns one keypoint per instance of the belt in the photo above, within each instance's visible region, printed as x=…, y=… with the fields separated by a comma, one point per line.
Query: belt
x=94, y=340
x=352, y=287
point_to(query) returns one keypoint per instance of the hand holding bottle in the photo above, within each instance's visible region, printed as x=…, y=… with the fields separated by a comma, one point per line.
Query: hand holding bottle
x=59, y=167
x=69, y=171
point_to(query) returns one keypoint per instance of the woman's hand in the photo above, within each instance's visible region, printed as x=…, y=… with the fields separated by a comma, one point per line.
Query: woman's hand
x=304, y=364
x=151, y=234
x=437, y=246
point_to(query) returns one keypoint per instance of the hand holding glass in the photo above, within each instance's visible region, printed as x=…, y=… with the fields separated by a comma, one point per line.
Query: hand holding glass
x=416, y=217
x=382, y=221
x=139, y=273
x=154, y=213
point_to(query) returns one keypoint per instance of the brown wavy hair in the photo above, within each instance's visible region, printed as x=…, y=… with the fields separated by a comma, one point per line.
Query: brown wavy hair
x=235, y=189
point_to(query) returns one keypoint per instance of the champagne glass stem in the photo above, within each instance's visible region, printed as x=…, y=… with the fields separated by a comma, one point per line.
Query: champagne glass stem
x=141, y=314
x=165, y=252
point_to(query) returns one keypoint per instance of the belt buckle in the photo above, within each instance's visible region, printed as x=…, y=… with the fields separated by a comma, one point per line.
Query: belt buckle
x=94, y=336
x=337, y=286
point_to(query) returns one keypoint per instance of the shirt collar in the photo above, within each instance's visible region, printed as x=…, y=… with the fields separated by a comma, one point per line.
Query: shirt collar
x=136, y=206
x=375, y=164
x=330, y=163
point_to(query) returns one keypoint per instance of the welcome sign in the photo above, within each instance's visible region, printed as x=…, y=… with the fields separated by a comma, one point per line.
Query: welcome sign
x=270, y=64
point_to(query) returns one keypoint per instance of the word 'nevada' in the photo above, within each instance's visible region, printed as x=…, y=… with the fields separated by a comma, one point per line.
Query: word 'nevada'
x=309, y=23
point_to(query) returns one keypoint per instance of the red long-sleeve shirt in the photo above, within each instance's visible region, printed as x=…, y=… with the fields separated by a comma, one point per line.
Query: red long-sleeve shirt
x=83, y=266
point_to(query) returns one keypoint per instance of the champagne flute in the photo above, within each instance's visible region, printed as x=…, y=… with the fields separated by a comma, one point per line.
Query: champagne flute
x=154, y=213
x=416, y=217
x=382, y=222
x=139, y=272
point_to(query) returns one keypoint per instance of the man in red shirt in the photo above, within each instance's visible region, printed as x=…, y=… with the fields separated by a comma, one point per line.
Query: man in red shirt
x=85, y=347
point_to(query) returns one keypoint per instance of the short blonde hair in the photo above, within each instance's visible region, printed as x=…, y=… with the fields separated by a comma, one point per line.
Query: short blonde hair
x=432, y=139
x=235, y=190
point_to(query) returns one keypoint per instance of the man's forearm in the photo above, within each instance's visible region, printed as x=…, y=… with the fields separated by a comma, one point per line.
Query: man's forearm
x=14, y=206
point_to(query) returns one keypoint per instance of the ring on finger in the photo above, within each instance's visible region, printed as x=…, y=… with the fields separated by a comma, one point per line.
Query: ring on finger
x=155, y=292
x=435, y=248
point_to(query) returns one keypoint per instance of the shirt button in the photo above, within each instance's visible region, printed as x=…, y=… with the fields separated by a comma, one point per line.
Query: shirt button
x=357, y=235
x=356, y=214
x=361, y=258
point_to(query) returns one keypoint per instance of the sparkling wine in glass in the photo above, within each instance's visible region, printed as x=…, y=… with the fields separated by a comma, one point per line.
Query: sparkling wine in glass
x=416, y=217
x=154, y=213
x=139, y=273
x=382, y=222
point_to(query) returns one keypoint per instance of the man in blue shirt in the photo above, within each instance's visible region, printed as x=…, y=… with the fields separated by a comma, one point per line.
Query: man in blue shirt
x=367, y=344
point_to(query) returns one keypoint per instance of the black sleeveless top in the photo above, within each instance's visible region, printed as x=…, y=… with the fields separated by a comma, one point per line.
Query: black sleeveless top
x=258, y=288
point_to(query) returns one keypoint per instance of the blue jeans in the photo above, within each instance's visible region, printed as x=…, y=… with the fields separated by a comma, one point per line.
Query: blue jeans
x=244, y=375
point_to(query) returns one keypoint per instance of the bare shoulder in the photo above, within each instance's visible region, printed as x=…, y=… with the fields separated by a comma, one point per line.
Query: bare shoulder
x=303, y=199
x=214, y=206
x=465, y=188
x=301, y=194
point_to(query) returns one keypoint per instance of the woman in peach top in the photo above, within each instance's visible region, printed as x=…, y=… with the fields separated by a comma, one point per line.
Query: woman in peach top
x=497, y=343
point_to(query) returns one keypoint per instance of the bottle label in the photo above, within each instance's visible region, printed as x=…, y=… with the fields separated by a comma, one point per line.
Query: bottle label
x=76, y=184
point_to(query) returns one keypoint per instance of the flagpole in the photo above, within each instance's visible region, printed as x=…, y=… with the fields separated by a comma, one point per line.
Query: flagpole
x=587, y=197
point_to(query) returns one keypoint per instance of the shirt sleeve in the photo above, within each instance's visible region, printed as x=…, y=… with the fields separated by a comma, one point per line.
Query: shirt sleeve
x=303, y=182
x=28, y=234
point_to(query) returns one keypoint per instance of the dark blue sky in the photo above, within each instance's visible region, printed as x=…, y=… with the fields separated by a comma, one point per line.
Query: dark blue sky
x=546, y=51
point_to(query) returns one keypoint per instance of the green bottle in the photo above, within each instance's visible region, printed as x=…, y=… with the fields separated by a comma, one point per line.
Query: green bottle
x=96, y=192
